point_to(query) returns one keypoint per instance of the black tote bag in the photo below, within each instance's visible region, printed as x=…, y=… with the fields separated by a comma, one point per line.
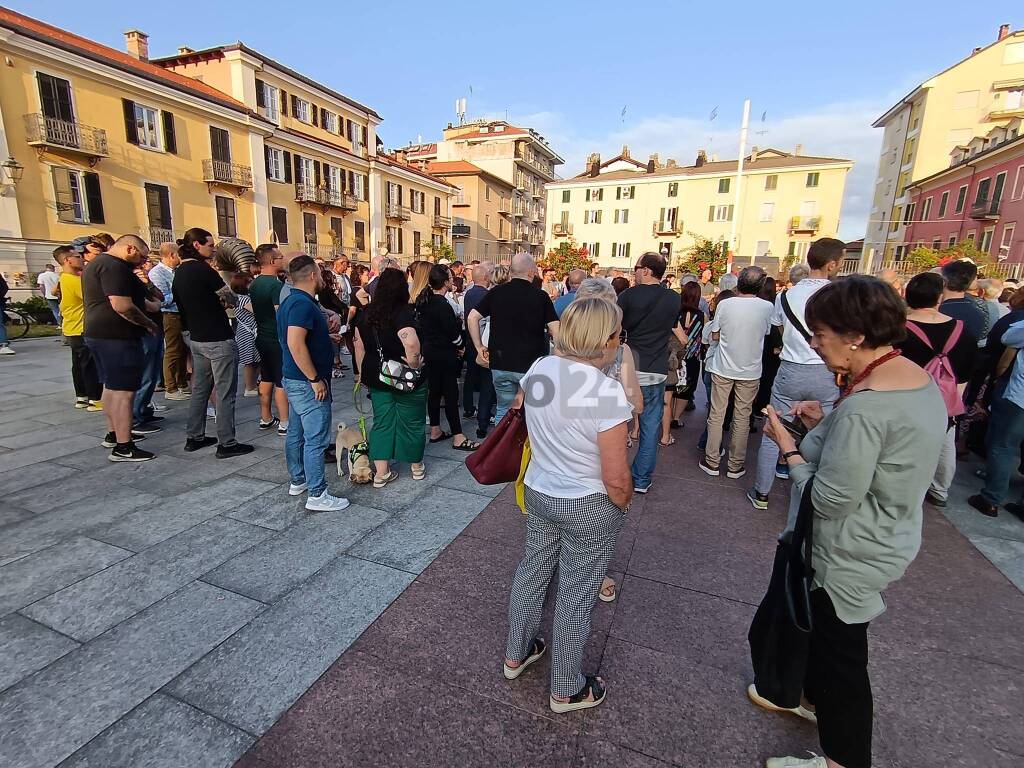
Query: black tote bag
x=780, y=633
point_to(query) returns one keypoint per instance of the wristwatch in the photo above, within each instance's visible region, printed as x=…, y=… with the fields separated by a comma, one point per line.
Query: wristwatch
x=313, y=381
x=787, y=454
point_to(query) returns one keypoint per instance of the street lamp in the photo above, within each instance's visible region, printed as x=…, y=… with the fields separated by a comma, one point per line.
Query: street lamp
x=11, y=175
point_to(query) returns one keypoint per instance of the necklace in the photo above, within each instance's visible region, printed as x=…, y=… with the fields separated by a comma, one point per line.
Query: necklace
x=848, y=388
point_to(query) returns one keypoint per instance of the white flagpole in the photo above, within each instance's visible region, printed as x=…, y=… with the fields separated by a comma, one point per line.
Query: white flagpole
x=733, y=244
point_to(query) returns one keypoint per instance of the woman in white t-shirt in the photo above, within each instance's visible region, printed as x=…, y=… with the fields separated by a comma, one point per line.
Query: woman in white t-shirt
x=578, y=486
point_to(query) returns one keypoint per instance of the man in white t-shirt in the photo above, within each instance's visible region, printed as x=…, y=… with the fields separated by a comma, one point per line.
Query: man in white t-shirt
x=802, y=373
x=739, y=326
x=48, y=281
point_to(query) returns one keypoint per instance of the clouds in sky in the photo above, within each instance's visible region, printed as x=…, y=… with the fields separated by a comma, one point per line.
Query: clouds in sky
x=841, y=129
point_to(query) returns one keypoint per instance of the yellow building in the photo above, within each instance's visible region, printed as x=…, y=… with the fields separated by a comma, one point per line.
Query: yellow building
x=978, y=93
x=109, y=142
x=414, y=214
x=519, y=157
x=623, y=207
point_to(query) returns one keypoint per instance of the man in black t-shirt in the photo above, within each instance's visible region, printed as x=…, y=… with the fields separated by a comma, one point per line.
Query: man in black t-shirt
x=201, y=296
x=649, y=313
x=519, y=316
x=115, y=322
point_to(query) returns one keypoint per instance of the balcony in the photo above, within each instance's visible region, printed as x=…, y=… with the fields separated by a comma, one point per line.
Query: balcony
x=442, y=222
x=460, y=230
x=804, y=224
x=502, y=235
x=986, y=210
x=219, y=172
x=526, y=156
x=521, y=236
x=49, y=133
x=325, y=251
x=504, y=206
x=460, y=200
x=159, y=235
x=667, y=228
x=561, y=230
x=399, y=212
x=325, y=196
x=536, y=240
x=538, y=192
x=521, y=184
x=519, y=208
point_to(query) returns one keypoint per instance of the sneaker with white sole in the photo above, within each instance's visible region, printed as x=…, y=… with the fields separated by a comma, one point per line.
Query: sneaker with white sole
x=110, y=439
x=251, y=393
x=814, y=761
x=6, y=351
x=95, y=406
x=297, y=490
x=179, y=395
x=799, y=711
x=130, y=453
x=274, y=421
x=736, y=474
x=325, y=503
x=713, y=471
x=282, y=428
x=638, y=489
x=782, y=471
x=757, y=499
x=81, y=402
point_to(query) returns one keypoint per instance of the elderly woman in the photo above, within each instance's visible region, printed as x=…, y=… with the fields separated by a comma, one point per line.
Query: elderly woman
x=578, y=486
x=386, y=331
x=871, y=461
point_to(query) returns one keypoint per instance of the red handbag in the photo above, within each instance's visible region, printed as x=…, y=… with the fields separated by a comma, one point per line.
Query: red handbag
x=500, y=456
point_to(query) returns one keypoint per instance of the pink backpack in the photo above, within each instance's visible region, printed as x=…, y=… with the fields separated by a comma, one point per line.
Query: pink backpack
x=941, y=369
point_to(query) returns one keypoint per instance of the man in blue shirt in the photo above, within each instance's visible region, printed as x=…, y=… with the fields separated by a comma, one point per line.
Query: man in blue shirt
x=1005, y=434
x=307, y=361
x=576, y=276
x=956, y=303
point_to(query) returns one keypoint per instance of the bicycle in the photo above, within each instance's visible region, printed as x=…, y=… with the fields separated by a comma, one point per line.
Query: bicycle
x=17, y=323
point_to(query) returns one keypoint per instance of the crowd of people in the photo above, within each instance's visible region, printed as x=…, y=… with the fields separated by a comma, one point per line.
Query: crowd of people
x=865, y=390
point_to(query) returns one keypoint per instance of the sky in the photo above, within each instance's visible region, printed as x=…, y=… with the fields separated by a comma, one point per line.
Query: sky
x=820, y=73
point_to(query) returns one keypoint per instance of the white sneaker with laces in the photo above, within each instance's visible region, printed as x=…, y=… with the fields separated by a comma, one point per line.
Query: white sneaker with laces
x=325, y=503
x=6, y=351
x=297, y=490
x=814, y=761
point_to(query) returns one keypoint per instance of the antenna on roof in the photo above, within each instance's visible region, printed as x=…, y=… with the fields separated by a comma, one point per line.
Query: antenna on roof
x=460, y=110
x=763, y=130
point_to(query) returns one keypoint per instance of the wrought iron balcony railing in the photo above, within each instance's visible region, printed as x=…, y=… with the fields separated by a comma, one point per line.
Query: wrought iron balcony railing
x=43, y=132
x=400, y=212
x=232, y=174
x=442, y=222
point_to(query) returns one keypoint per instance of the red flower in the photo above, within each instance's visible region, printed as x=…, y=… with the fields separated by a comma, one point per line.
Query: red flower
x=703, y=265
x=945, y=260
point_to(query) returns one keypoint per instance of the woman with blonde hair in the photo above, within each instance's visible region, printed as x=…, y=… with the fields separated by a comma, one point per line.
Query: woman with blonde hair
x=578, y=486
x=419, y=276
x=501, y=274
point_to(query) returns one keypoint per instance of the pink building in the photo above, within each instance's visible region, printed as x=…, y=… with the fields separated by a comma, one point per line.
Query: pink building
x=979, y=199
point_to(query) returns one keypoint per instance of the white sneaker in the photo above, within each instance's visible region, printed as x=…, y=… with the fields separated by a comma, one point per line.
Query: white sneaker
x=814, y=761
x=282, y=429
x=6, y=351
x=159, y=408
x=297, y=490
x=211, y=412
x=761, y=701
x=325, y=503
x=251, y=393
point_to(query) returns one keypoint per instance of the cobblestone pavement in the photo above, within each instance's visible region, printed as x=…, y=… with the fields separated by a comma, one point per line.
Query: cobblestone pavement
x=170, y=613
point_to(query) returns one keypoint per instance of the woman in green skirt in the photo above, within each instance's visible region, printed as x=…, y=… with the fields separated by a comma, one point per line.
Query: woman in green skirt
x=386, y=333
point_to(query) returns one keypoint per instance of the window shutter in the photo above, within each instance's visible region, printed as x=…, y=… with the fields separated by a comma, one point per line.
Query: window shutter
x=627, y=250
x=313, y=114
x=599, y=217
x=62, y=186
x=618, y=193
x=316, y=172
x=365, y=135
x=170, y=141
x=366, y=187
x=632, y=192
x=614, y=250
x=93, y=199
x=165, y=208
x=597, y=249
x=711, y=213
x=730, y=212
x=400, y=194
x=131, y=130
x=295, y=105
x=261, y=100
x=284, y=102
x=400, y=240
x=266, y=159
x=287, y=167
x=298, y=170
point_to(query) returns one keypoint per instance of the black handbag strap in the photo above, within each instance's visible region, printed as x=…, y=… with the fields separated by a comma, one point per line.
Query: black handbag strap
x=791, y=316
x=799, y=559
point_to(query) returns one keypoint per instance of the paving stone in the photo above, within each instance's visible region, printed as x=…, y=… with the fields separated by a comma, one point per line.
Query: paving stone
x=259, y=672
x=411, y=539
x=272, y=470
x=401, y=493
x=274, y=509
x=1006, y=554
x=26, y=646
x=461, y=480
x=26, y=580
x=168, y=482
x=595, y=753
x=94, y=484
x=36, y=453
x=151, y=524
x=89, y=516
x=10, y=427
x=390, y=726
x=42, y=473
x=51, y=714
x=163, y=733
x=10, y=514
x=97, y=603
x=44, y=435
x=39, y=387
x=281, y=562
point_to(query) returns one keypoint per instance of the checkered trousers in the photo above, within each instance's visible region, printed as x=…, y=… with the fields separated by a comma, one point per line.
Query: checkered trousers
x=577, y=535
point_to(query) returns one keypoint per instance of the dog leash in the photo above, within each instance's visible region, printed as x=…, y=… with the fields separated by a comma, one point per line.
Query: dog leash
x=357, y=402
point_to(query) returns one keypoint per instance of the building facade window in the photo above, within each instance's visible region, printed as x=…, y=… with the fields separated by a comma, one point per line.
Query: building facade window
x=961, y=199
x=394, y=239
x=595, y=194
x=147, y=122
x=360, y=235
x=771, y=182
x=329, y=121
x=798, y=248
x=275, y=164
x=592, y=217
x=1007, y=242
x=226, y=226
x=78, y=198
x=908, y=214
x=625, y=193
x=309, y=234
x=303, y=110
x=812, y=179
x=620, y=250
x=415, y=243
x=986, y=239
x=417, y=201
x=565, y=195
x=926, y=209
x=279, y=222
x=767, y=211
x=268, y=100
x=723, y=186
x=621, y=215
x=1018, y=184
x=943, y=202
x=673, y=188
x=593, y=250
x=720, y=213
x=158, y=208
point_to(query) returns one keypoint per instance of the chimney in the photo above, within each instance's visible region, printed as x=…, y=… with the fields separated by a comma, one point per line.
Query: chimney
x=799, y=150
x=652, y=163
x=670, y=163
x=702, y=157
x=594, y=165
x=625, y=152
x=137, y=44
x=753, y=153
x=1004, y=30
x=185, y=50
x=400, y=155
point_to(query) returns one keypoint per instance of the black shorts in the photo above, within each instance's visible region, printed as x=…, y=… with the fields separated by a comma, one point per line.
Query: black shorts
x=119, y=362
x=270, y=361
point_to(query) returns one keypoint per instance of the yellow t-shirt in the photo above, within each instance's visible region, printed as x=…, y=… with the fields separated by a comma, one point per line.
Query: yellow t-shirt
x=72, y=306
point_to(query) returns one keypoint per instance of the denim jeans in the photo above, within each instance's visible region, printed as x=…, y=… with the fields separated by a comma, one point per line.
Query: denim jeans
x=650, y=432
x=506, y=387
x=54, y=305
x=308, y=431
x=152, y=348
x=1005, y=434
x=3, y=326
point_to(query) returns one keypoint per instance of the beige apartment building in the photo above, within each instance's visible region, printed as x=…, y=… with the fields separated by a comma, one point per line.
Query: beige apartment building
x=978, y=93
x=518, y=157
x=623, y=207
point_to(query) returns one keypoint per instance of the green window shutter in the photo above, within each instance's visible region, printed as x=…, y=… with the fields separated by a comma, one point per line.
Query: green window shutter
x=266, y=159
x=62, y=186
x=711, y=213
x=632, y=192
x=618, y=193
x=170, y=140
x=597, y=249
x=730, y=212
x=615, y=250
x=131, y=130
x=627, y=249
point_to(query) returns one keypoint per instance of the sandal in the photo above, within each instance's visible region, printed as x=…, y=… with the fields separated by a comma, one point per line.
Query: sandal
x=419, y=471
x=675, y=424
x=671, y=441
x=380, y=482
x=581, y=700
x=466, y=445
x=604, y=595
x=440, y=439
x=536, y=651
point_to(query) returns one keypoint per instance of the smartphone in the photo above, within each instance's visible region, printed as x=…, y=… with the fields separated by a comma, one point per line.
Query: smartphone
x=796, y=428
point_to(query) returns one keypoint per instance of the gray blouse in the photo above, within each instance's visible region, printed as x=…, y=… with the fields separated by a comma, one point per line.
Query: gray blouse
x=872, y=460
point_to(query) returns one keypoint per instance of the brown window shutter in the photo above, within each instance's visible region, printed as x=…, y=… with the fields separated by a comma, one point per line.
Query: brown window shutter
x=295, y=105
x=365, y=134
x=266, y=159
x=131, y=130
x=93, y=199
x=632, y=192
x=170, y=140
x=627, y=250
x=62, y=187
x=352, y=182
x=287, y=167
x=400, y=194
x=316, y=172
x=366, y=187
x=313, y=112
x=298, y=170
x=260, y=96
x=618, y=193
x=284, y=102
x=400, y=240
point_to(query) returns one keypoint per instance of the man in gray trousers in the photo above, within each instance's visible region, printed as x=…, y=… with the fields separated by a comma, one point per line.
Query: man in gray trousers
x=201, y=297
x=802, y=373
